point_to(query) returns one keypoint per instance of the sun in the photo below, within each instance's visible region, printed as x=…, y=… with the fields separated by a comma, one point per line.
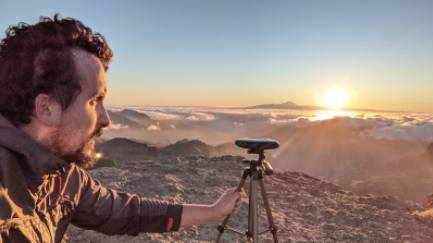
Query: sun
x=335, y=98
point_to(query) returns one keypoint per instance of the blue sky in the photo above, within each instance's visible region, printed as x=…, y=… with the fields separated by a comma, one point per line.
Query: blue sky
x=241, y=53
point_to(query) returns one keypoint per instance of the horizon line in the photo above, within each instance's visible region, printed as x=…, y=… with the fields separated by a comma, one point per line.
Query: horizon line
x=299, y=107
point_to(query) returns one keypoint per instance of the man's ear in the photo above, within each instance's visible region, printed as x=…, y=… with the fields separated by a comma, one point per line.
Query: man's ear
x=47, y=110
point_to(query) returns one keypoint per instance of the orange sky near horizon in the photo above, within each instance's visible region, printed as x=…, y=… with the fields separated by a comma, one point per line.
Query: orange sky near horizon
x=225, y=97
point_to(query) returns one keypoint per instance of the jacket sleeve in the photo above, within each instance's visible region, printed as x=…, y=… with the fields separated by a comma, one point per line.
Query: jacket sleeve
x=114, y=213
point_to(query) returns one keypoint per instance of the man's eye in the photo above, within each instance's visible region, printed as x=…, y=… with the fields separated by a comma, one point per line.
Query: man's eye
x=95, y=101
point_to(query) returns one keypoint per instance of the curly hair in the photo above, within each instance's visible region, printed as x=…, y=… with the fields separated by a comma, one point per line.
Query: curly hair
x=37, y=59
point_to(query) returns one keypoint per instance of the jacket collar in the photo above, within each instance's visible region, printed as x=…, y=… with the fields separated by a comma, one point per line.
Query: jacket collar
x=41, y=163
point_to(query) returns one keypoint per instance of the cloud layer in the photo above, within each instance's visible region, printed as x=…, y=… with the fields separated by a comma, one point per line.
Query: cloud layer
x=379, y=125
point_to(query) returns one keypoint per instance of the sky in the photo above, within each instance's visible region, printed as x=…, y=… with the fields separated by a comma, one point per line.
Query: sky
x=234, y=53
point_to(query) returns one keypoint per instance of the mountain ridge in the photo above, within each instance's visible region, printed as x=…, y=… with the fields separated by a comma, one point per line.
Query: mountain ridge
x=115, y=147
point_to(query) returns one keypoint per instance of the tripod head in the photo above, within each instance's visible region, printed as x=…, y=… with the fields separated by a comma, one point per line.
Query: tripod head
x=258, y=146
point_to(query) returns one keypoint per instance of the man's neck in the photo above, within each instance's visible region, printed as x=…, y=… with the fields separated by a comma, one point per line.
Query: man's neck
x=38, y=133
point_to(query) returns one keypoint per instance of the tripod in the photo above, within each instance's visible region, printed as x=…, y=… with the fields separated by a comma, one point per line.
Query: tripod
x=255, y=172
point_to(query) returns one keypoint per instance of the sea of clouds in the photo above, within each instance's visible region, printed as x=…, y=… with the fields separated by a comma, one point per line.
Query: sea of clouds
x=406, y=126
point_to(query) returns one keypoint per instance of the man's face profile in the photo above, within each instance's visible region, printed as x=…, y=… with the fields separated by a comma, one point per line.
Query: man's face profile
x=73, y=137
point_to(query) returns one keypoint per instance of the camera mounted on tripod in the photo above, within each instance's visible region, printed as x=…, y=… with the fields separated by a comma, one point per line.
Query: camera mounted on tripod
x=254, y=172
x=258, y=146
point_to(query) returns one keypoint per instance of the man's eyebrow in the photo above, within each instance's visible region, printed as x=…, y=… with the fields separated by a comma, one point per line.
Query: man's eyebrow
x=101, y=94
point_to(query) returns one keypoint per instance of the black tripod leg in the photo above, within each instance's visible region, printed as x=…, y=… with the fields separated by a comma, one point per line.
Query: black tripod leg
x=254, y=211
x=250, y=215
x=268, y=210
x=240, y=188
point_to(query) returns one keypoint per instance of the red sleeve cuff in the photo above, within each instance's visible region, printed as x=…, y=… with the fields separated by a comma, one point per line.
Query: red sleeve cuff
x=169, y=224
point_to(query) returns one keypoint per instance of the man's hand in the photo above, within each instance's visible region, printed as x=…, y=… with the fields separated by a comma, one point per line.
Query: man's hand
x=228, y=204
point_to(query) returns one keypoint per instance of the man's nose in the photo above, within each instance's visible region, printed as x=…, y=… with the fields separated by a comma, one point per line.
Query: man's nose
x=103, y=117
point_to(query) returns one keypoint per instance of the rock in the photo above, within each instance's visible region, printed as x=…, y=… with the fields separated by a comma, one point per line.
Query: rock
x=117, y=148
x=304, y=208
x=103, y=163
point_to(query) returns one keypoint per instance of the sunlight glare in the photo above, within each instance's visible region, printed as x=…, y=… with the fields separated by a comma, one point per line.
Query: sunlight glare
x=335, y=98
x=326, y=115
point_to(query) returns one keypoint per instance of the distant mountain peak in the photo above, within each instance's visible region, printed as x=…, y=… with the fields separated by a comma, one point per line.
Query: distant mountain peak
x=134, y=114
x=182, y=141
x=288, y=104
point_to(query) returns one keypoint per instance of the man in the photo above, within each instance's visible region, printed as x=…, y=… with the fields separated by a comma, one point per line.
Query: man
x=52, y=88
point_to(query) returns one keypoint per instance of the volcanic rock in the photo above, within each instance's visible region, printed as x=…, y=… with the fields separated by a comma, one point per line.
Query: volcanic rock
x=119, y=147
x=305, y=208
x=185, y=147
x=103, y=163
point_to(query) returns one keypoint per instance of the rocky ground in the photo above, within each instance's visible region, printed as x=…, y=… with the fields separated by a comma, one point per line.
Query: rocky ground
x=305, y=208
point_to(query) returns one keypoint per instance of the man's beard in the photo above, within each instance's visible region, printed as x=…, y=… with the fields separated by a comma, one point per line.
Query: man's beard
x=83, y=156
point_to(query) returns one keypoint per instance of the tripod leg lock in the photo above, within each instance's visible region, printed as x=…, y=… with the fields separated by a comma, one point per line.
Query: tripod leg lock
x=274, y=230
x=221, y=229
x=246, y=173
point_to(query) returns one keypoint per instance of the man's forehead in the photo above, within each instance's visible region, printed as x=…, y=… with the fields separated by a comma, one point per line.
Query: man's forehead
x=86, y=59
x=91, y=73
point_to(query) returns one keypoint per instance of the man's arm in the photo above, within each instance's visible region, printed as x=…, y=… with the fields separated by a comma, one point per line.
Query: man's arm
x=111, y=212
x=115, y=213
x=228, y=204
